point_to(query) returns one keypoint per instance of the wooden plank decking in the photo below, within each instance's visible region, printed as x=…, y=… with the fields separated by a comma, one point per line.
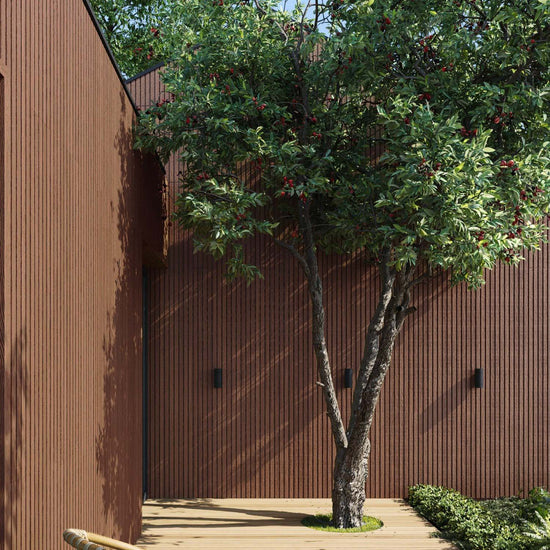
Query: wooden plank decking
x=275, y=523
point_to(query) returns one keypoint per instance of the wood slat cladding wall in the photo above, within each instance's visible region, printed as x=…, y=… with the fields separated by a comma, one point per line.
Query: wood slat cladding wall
x=265, y=433
x=2, y=381
x=72, y=250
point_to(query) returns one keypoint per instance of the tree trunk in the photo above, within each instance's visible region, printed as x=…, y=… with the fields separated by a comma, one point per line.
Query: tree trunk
x=351, y=465
x=353, y=444
x=350, y=476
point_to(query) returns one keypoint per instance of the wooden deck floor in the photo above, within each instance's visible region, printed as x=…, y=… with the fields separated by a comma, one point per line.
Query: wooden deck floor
x=275, y=523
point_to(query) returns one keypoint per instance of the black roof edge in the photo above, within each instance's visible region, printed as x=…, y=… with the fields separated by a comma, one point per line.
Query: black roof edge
x=115, y=65
x=146, y=71
x=109, y=52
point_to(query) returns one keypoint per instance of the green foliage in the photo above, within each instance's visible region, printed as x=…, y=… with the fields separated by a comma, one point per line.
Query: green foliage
x=418, y=128
x=134, y=31
x=323, y=522
x=537, y=524
x=539, y=531
x=499, y=524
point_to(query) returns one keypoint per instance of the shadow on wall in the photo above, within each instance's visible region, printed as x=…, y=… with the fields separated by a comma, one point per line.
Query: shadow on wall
x=14, y=381
x=223, y=433
x=444, y=404
x=278, y=400
x=118, y=444
x=267, y=421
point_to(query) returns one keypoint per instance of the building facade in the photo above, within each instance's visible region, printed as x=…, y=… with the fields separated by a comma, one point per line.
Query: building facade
x=80, y=214
x=265, y=432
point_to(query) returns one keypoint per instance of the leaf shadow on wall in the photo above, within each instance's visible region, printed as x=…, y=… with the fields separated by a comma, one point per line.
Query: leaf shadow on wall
x=265, y=432
x=118, y=443
x=14, y=383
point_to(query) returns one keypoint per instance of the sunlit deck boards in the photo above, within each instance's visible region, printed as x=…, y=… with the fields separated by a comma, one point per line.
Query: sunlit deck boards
x=275, y=523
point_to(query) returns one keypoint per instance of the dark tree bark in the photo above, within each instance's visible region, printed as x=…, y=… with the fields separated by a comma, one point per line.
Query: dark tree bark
x=351, y=465
x=311, y=269
x=353, y=445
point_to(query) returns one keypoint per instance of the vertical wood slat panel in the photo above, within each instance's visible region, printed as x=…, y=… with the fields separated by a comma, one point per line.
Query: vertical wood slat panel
x=70, y=281
x=265, y=433
x=3, y=396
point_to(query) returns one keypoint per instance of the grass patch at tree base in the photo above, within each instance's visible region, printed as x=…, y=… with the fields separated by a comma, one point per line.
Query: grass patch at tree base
x=323, y=522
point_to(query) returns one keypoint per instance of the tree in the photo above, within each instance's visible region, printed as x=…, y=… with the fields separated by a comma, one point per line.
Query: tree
x=413, y=132
x=132, y=30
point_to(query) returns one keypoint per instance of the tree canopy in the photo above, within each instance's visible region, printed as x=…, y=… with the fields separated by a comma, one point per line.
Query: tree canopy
x=419, y=126
x=413, y=132
x=132, y=29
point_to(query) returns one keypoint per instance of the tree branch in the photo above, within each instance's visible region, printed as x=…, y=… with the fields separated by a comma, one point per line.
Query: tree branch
x=296, y=254
x=318, y=330
x=370, y=352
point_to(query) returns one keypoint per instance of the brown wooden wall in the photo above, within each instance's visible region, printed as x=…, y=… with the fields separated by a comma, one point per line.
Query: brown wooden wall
x=2, y=381
x=70, y=273
x=265, y=433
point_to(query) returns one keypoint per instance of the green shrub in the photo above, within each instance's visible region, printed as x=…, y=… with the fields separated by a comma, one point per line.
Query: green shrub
x=539, y=501
x=498, y=524
x=538, y=529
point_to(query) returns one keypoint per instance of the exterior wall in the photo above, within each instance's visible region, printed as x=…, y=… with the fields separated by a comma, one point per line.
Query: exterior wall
x=2, y=381
x=72, y=235
x=265, y=433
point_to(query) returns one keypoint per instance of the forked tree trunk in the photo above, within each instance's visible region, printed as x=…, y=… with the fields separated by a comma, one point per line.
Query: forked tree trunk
x=353, y=444
x=351, y=464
